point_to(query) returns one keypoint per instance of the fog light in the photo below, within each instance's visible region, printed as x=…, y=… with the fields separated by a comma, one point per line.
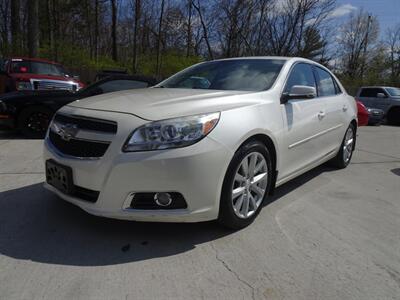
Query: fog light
x=163, y=199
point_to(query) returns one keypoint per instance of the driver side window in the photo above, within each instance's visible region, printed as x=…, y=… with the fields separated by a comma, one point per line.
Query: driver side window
x=301, y=74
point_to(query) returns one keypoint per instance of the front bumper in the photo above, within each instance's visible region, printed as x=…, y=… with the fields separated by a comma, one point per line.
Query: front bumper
x=375, y=116
x=197, y=172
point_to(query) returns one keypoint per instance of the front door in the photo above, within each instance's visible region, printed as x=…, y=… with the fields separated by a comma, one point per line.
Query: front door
x=304, y=124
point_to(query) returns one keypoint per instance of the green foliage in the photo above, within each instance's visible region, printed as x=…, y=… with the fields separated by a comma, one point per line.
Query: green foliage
x=171, y=62
x=79, y=60
x=76, y=57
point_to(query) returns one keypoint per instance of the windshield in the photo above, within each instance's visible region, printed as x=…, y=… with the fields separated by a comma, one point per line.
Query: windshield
x=34, y=67
x=394, y=92
x=235, y=74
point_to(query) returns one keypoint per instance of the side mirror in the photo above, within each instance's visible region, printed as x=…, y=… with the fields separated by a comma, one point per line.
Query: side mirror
x=380, y=95
x=299, y=92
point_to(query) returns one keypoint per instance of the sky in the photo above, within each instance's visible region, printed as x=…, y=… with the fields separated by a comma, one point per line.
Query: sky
x=387, y=11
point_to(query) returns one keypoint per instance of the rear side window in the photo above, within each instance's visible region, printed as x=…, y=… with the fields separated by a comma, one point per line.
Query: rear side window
x=301, y=74
x=371, y=92
x=326, y=84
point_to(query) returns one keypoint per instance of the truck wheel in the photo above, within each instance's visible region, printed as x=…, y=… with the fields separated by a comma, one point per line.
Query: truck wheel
x=393, y=116
x=34, y=121
x=245, y=186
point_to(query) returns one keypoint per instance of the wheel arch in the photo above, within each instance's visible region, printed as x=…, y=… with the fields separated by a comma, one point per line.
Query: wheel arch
x=394, y=108
x=23, y=108
x=269, y=143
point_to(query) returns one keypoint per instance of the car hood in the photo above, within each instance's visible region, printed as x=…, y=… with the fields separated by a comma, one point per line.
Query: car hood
x=164, y=103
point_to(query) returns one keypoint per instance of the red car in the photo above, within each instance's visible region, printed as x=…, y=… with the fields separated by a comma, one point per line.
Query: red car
x=21, y=73
x=362, y=114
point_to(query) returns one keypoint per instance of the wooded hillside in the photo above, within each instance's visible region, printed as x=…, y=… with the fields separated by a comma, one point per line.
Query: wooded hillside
x=160, y=37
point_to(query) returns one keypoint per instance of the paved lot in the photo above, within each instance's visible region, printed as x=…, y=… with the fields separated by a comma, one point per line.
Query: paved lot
x=327, y=235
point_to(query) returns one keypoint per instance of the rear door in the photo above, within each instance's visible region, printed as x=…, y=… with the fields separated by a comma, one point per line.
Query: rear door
x=335, y=112
x=304, y=123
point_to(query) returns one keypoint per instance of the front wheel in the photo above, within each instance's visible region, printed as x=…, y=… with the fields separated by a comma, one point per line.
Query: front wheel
x=245, y=186
x=34, y=121
x=343, y=158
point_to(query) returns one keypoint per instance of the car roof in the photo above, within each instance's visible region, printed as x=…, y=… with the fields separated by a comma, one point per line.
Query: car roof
x=35, y=59
x=111, y=77
x=285, y=58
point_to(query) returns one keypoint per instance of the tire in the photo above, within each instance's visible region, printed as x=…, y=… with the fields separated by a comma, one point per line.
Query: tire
x=343, y=158
x=34, y=121
x=253, y=151
x=393, y=116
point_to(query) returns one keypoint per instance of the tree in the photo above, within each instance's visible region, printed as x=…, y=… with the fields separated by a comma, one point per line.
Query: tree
x=4, y=26
x=114, y=29
x=33, y=27
x=356, y=41
x=189, y=29
x=135, y=34
x=15, y=26
x=203, y=24
x=159, y=33
x=311, y=44
x=393, y=43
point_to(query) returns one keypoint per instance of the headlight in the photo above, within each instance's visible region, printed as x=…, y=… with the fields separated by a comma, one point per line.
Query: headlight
x=369, y=110
x=24, y=85
x=171, y=133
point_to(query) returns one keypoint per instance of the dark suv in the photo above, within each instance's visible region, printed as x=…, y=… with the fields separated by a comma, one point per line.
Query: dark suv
x=385, y=98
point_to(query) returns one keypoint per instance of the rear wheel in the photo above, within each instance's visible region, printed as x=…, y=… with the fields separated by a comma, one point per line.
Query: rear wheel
x=246, y=185
x=34, y=121
x=343, y=158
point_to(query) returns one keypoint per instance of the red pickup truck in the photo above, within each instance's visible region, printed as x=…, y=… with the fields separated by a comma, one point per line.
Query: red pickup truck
x=19, y=73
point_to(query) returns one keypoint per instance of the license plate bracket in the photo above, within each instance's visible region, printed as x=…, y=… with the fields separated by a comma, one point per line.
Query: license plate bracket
x=59, y=176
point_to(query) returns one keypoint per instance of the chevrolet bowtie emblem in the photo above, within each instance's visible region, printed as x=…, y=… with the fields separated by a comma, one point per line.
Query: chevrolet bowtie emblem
x=67, y=131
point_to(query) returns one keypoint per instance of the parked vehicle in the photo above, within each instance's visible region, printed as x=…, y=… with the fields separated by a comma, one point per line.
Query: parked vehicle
x=384, y=98
x=362, y=114
x=375, y=116
x=179, y=153
x=31, y=111
x=110, y=72
x=27, y=74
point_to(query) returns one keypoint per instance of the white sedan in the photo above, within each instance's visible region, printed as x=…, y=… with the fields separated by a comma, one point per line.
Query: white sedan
x=211, y=142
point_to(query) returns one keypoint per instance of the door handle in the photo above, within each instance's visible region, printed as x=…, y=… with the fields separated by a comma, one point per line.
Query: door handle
x=321, y=115
x=344, y=108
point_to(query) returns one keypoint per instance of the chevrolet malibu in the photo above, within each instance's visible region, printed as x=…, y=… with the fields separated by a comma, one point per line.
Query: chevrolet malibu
x=211, y=142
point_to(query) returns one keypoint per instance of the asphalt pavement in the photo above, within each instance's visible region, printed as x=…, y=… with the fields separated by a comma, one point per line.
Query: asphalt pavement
x=329, y=234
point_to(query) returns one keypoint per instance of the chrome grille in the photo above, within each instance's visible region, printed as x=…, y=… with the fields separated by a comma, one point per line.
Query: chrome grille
x=54, y=85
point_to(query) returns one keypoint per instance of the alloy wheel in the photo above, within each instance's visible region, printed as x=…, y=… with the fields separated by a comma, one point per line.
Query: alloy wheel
x=348, y=144
x=249, y=185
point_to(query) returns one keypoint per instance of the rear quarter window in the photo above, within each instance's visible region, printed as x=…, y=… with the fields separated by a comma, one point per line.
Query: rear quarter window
x=326, y=84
